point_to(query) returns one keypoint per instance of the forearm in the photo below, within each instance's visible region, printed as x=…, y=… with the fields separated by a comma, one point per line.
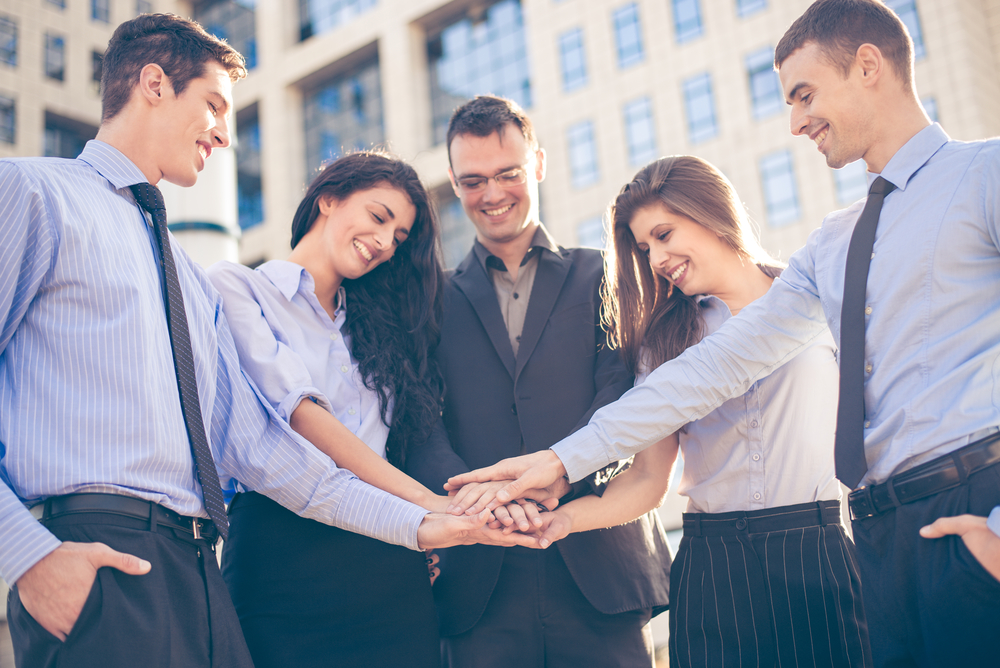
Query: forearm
x=336, y=441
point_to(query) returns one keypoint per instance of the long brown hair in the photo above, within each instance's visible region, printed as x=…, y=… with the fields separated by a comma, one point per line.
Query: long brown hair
x=640, y=308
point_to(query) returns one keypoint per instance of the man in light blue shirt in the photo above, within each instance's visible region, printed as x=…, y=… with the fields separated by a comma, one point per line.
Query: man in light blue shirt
x=90, y=417
x=932, y=350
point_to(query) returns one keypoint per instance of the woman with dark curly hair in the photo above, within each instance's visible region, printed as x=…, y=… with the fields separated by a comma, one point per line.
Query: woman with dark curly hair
x=338, y=340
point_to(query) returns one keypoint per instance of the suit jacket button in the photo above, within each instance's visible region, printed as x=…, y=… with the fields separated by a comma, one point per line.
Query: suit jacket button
x=513, y=409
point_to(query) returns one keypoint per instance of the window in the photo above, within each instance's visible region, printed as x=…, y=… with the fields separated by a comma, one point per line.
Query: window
x=906, y=10
x=765, y=87
x=250, y=197
x=573, y=59
x=628, y=35
x=930, y=106
x=457, y=233
x=590, y=233
x=687, y=19
x=639, y=132
x=748, y=7
x=343, y=114
x=582, y=155
x=55, y=57
x=318, y=16
x=61, y=4
x=851, y=181
x=64, y=137
x=471, y=57
x=777, y=177
x=100, y=11
x=143, y=7
x=700, y=106
x=8, y=41
x=8, y=120
x=96, y=69
x=233, y=21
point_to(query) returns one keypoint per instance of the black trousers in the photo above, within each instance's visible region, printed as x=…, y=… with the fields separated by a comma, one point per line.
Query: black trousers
x=774, y=587
x=929, y=602
x=537, y=617
x=179, y=615
x=312, y=595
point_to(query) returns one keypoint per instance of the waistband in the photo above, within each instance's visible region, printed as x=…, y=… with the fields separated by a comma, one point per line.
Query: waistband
x=782, y=518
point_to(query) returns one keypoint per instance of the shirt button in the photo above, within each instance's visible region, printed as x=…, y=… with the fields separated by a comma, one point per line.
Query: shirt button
x=868, y=310
x=756, y=496
x=868, y=423
x=516, y=295
x=868, y=368
x=344, y=368
x=351, y=411
x=756, y=457
x=333, y=337
x=753, y=424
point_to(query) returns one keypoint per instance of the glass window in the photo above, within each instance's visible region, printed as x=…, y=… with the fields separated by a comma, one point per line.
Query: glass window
x=468, y=58
x=573, y=59
x=233, y=21
x=628, y=35
x=748, y=7
x=457, y=232
x=700, y=105
x=590, y=233
x=65, y=138
x=250, y=196
x=8, y=120
x=143, y=7
x=55, y=57
x=906, y=10
x=96, y=69
x=8, y=41
x=851, y=181
x=687, y=19
x=930, y=106
x=354, y=122
x=582, y=154
x=318, y=16
x=61, y=4
x=100, y=11
x=639, y=131
x=765, y=87
x=777, y=177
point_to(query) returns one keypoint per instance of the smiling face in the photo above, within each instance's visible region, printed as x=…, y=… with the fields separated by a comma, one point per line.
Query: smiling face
x=828, y=107
x=501, y=215
x=363, y=231
x=689, y=256
x=186, y=128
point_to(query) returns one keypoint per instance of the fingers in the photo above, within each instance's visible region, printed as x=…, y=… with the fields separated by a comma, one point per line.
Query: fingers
x=531, y=514
x=520, y=520
x=503, y=516
x=479, y=475
x=432, y=570
x=959, y=525
x=434, y=573
x=464, y=497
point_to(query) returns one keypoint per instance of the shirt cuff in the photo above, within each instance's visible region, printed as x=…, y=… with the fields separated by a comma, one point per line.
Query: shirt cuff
x=581, y=453
x=295, y=397
x=25, y=543
x=993, y=521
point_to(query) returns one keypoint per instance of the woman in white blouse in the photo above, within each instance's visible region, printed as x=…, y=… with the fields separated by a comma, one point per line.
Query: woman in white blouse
x=337, y=339
x=765, y=574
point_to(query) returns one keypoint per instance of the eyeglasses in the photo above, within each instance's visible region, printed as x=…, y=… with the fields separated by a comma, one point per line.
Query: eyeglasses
x=508, y=179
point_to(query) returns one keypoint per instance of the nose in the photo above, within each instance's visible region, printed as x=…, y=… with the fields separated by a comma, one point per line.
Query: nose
x=383, y=239
x=492, y=191
x=220, y=133
x=798, y=122
x=659, y=258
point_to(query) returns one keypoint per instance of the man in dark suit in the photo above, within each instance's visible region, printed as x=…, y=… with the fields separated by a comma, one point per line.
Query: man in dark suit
x=526, y=363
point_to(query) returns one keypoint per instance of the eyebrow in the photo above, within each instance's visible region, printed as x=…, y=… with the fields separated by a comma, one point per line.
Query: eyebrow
x=223, y=103
x=791, y=96
x=392, y=216
x=483, y=176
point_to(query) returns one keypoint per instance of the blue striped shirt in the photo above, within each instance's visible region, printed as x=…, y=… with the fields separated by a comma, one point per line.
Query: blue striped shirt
x=88, y=396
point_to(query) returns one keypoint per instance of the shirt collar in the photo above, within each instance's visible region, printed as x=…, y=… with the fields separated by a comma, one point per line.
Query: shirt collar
x=290, y=279
x=112, y=164
x=541, y=240
x=913, y=155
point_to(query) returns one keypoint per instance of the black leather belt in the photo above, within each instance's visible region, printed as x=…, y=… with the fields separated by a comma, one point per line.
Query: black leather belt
x=781, y=518
x=937, y=475
x=125, y=506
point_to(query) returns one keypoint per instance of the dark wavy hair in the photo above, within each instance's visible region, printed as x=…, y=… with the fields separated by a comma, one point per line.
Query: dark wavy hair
x=640, y=308
x=393, y=311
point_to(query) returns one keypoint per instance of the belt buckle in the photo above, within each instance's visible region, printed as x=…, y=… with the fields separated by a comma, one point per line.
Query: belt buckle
x=196, y=528
x=859, y=497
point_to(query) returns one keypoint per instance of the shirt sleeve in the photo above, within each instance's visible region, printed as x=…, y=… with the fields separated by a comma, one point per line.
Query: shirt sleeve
x=765, y=335
x=27, y=243
x=253, y=445
x=276, y=369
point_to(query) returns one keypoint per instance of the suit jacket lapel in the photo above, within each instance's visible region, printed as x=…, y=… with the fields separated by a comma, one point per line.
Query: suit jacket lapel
x=473, y=281
x=552, y=271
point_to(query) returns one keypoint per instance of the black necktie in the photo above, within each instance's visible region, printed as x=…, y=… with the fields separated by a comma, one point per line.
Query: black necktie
x=149, y=198
x=849, y=452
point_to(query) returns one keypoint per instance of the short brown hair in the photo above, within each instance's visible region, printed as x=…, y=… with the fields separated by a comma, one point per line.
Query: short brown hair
x=839, y=27
x=180, y=46
x=486, y=114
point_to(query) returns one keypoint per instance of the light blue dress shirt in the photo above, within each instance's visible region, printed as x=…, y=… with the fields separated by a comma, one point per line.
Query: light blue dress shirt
x=291, y=348
x=932, y=347
x=770, y=447
x=88, y=396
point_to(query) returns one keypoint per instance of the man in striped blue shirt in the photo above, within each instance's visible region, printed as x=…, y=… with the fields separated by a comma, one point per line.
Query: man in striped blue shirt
x=90, y=417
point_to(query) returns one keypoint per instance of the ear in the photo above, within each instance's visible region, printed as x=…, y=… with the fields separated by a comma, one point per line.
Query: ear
x=870, y=64
x=540, y=165
x=153, y=83
x=327, y=205
x=454, y=184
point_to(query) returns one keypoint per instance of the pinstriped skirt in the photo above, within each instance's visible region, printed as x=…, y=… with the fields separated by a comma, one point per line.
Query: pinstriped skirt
x=776, y=597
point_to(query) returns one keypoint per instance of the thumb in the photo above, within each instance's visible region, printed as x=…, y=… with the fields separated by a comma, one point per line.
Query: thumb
x=549, y=536
x=944, y=526
x=127, y=563
x=477, y=521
